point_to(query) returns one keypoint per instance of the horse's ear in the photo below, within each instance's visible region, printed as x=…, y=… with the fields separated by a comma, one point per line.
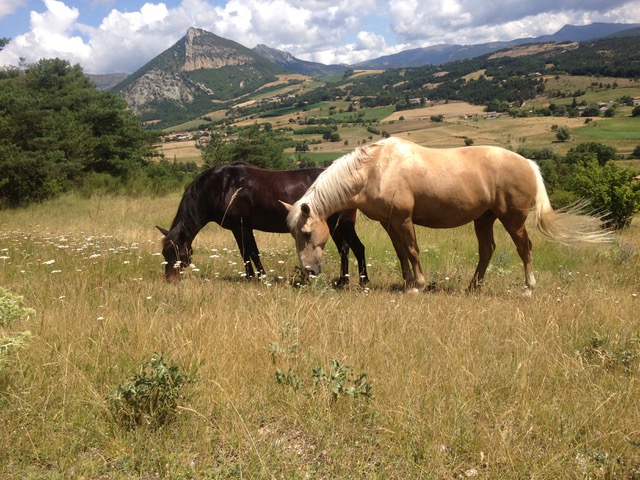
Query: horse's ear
x=304, y=208
x=163, y=231
x=286, y=205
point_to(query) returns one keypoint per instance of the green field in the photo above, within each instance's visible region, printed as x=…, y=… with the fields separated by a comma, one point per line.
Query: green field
x=623, y=128
x=492, y=385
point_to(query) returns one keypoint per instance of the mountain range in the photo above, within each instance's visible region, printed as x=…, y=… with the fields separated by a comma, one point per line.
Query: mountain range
x=445, y=53
x=203, y=72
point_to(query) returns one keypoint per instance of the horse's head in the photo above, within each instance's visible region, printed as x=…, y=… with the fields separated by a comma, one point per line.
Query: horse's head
x=177, y=255
x=310, y=233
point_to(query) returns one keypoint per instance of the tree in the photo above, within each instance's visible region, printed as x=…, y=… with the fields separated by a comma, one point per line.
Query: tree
x=252, y=146
x=592, y=110
x=609, y=188
x=586, y=151
x=302, y=147
x=636, y=111
x=56, y=129
x=562, y=133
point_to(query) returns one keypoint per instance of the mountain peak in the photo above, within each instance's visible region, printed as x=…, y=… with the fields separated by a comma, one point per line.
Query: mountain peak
x=203, y=49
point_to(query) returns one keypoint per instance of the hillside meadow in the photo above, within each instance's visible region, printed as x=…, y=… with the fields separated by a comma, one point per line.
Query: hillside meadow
x=461, y=121
x=308, y=381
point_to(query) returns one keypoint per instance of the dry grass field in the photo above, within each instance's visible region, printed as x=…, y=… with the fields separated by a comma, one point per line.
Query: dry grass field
x=180, y=151
x=313, y=382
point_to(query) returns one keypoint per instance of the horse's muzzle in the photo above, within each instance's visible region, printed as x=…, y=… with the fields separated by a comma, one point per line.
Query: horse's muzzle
x=313, y=271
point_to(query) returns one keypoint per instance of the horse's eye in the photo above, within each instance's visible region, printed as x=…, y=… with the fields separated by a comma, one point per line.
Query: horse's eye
x=307, y=235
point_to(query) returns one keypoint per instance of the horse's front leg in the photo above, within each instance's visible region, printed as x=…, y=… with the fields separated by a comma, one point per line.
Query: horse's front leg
x=407, y=235
x=411, y=270
x=356, y=245
x=338, y=236
x=345, y=237
x=249, y=250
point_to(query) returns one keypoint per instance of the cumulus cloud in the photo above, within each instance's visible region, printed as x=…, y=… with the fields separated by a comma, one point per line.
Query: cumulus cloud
x=424, y=23
x=327, y=31
x=9, y=6
x=50, y=36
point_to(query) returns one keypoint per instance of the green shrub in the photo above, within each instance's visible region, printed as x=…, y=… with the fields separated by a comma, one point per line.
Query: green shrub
x=151, y=395
x=11, y=308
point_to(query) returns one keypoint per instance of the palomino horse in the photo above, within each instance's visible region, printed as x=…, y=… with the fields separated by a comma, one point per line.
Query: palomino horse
x=399, y=184
x=241, y=198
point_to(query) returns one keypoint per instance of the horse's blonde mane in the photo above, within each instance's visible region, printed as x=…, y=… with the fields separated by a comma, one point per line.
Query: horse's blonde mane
x=335, y=186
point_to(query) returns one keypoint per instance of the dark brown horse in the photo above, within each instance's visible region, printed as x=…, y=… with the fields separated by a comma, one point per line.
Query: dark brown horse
x=243, y=198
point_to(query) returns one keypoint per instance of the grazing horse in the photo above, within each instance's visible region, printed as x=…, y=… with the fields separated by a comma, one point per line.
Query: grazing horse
x=241, y=198
x=399, y=184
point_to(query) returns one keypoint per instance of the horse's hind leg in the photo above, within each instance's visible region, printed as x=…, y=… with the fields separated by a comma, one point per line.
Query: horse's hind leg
x=518, y=232
x=486, y=247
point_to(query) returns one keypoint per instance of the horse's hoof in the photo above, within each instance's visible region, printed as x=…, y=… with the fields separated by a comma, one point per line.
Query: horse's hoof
x=413, y=290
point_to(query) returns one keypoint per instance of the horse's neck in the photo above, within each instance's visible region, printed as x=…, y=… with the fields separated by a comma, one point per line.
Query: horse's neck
x=189, y=225
x=337, y=192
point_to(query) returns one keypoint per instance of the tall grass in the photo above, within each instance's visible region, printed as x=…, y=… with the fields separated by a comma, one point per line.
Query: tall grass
x=494, y=385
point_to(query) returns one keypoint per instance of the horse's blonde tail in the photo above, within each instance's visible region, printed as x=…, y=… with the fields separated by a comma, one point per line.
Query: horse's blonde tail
x=573, y=224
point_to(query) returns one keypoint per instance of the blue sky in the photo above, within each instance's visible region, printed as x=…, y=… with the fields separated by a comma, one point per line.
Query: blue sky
x=107, y=36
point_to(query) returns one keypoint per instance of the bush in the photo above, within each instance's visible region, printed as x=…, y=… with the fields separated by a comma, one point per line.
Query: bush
x=150, y=396
x=562, y=133
x=609, y=189
x=11, y=309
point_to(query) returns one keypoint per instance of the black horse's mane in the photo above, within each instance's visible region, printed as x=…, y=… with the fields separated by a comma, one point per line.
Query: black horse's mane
x=188, y=220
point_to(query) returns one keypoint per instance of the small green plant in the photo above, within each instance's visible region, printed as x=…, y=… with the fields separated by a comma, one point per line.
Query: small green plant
x=341, y=381
x=289, y=378
x=150, y=396
x=11, y=308
x=11, y=343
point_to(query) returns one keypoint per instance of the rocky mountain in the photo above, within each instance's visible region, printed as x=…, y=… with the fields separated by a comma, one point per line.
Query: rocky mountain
x=293, y=64
x=203, y=72
x=188, y=79
x=439, y=54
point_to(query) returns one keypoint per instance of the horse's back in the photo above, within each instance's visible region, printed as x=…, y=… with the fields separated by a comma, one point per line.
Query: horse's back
x=243, y=195
x=449, y=187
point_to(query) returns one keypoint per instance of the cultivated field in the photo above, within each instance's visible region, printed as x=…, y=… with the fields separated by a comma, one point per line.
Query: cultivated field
x=495, y=385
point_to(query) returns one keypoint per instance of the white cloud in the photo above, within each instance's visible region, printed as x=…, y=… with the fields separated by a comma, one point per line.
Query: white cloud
x=9, y=6
x=299, y=27
x=327, y=31
x=50, y=36
x=424, y=23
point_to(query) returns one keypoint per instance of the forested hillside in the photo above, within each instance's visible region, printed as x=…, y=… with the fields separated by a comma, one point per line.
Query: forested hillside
x=503, y=78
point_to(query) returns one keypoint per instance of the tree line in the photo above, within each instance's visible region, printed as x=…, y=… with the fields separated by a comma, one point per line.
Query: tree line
x=59, y=133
